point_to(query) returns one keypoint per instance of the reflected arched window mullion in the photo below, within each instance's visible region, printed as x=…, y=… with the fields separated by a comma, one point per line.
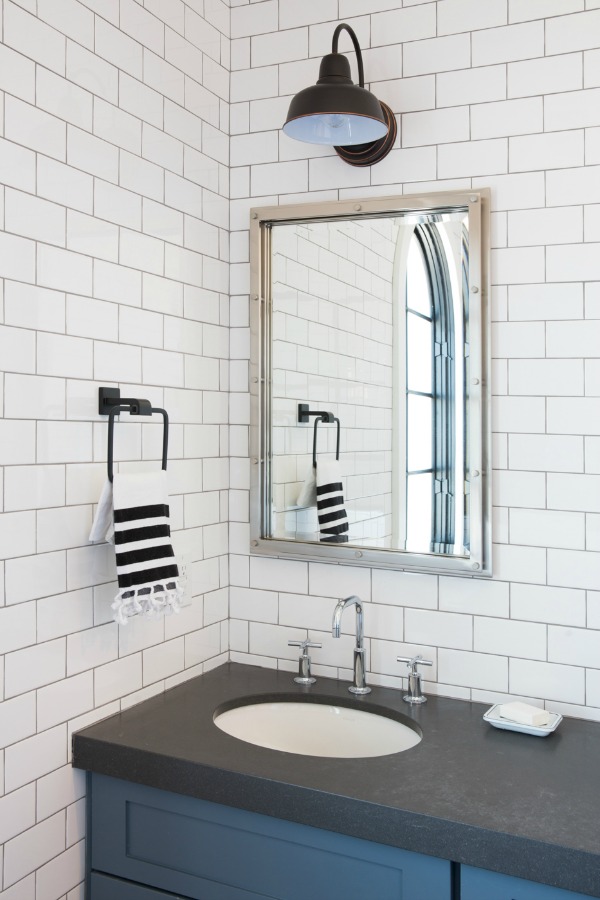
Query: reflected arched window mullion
x=428, y=300
x=466, y=379
x=419, y=398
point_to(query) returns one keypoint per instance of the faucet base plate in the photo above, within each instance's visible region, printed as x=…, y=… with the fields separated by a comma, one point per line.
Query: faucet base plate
x=414, y=700
x=299, y=680
x=358, y=690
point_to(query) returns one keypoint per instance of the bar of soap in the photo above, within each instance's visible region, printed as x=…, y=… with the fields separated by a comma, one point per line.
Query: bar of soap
x=524, y=713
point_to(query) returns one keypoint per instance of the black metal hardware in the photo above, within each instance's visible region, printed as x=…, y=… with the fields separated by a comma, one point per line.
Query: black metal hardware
x=110, y=403
x=304, y=412
x=320, y=416
x=337, y=446
x=109, y=397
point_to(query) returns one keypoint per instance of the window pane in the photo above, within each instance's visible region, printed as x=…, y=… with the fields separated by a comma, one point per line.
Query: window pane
x=419, y=353
x=418, y=294
x=419, y=432
x=418, y=513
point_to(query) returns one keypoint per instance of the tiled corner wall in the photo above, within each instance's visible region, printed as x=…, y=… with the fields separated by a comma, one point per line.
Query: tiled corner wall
x=486, y=94
x=114, y=267
x=114, y=171
x=332, y=348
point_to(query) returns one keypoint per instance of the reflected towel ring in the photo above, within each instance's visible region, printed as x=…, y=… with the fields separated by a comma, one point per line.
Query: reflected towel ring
x=337, y=446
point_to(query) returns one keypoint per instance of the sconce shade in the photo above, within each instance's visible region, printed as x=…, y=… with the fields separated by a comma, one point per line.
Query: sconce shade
x=335, y=111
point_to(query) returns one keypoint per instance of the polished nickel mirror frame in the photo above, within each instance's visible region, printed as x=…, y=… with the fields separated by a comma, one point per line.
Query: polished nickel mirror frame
x=478, y=400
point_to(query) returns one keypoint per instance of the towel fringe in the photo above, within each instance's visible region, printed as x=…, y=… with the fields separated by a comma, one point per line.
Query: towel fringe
x=149, y=599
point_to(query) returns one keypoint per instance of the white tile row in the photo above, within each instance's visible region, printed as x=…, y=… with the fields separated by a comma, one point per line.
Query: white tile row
x=514, y=657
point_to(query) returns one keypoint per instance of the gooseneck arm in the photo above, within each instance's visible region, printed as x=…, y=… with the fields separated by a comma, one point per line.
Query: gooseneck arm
x=334, y=49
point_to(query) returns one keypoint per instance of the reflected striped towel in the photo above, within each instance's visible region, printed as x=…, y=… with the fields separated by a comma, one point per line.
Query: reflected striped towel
x=146, y=567
x=333, y=521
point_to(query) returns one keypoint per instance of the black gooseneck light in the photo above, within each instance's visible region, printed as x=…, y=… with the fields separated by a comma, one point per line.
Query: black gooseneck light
x=347, y=116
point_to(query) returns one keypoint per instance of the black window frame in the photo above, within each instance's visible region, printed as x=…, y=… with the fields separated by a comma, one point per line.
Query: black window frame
x=442, y=388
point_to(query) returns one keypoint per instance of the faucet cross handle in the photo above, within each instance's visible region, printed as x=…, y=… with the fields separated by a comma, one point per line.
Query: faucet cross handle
x=413, y=662
x=415, y=692
x=303, y=644
x=304, y=675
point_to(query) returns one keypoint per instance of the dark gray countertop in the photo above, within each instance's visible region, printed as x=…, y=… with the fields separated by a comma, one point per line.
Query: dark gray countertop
x=509, y=802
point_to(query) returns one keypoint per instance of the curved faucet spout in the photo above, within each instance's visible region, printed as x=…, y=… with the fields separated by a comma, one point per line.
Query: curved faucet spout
x=337, y=618
x=359, y=685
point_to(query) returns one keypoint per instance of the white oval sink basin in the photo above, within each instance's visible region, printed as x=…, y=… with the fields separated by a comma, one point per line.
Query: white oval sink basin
x=317, y=729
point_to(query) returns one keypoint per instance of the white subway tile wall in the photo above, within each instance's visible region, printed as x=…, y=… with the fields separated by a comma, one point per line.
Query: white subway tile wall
x=113, y=270
x=114, y=266
x=486, y=95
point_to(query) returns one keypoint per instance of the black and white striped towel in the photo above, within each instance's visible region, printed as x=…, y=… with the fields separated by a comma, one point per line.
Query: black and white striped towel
x=147, y=571
x=333, y=520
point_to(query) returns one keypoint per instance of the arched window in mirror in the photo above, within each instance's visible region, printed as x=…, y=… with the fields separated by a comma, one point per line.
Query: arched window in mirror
x=433, y=416
x=420, y=398
x=463, y=410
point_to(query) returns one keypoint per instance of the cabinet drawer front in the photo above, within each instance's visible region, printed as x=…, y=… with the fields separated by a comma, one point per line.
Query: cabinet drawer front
x=477, y=884
x=212, y=852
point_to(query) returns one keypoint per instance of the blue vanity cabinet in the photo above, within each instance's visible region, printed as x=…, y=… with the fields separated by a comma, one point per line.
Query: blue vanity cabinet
x=148, y=844
x=479, y=884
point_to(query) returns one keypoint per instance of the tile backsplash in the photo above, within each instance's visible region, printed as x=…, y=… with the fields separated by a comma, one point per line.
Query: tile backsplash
x=134, y=138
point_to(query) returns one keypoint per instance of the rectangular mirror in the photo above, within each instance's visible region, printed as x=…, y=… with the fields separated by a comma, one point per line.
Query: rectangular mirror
x=370, y=384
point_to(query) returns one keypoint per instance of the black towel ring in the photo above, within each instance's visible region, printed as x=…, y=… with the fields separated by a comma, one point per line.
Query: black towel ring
x=111, y=428
x=337, y=446
x=110, y=403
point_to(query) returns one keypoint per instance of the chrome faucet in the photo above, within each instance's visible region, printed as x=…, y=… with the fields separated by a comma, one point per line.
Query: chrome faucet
x=359, y=686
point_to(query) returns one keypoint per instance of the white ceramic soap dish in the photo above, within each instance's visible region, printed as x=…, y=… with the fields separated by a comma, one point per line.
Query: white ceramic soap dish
x=493, y=718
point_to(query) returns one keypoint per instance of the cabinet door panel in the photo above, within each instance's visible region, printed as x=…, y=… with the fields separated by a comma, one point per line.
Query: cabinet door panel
x=477, y=884
x=212, y=852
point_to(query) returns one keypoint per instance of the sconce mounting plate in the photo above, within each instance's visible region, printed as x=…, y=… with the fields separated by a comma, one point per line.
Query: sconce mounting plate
x=369, y=154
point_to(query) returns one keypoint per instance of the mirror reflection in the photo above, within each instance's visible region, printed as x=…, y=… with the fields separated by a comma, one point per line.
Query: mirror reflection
x=370, y=332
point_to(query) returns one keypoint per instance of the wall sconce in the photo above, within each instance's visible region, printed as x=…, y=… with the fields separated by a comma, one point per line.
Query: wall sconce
x=360, y=128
